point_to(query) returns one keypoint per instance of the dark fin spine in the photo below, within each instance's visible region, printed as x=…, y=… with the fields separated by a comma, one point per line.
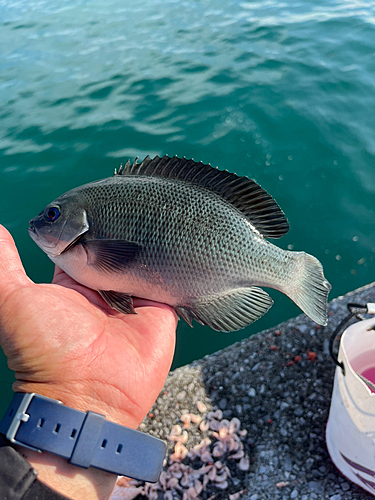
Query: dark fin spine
x=122, y=302
x=309, y=289
x=243, y=193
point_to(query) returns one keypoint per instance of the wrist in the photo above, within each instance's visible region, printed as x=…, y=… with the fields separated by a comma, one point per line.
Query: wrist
x=85, y=399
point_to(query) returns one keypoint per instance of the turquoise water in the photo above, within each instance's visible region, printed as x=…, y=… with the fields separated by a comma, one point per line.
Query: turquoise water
x=281, y=91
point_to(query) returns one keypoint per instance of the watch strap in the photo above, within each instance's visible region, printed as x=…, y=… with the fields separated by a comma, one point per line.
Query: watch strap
x=86, y=439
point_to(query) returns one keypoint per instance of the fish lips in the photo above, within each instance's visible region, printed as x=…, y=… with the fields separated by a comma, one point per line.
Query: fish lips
x=47, y=241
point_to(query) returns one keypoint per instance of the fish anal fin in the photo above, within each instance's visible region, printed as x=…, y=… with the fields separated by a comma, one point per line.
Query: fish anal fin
x=229, y=311
x=243, y=193
x=111, y=255
x=122, y=302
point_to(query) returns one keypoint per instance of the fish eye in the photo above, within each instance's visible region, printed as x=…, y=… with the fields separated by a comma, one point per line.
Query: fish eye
x=52, y=214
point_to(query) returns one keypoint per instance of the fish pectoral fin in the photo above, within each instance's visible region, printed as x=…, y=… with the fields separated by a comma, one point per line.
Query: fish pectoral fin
x=229, y=311
x=119, y=301
x=111, y=255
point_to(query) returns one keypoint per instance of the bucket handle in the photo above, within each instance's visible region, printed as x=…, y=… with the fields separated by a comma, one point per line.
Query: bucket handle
x=355, y=310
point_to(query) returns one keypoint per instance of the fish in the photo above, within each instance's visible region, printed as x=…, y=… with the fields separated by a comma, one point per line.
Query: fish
x=183, y=233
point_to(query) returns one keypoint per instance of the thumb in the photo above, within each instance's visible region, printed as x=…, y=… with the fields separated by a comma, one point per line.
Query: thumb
x=12, y=272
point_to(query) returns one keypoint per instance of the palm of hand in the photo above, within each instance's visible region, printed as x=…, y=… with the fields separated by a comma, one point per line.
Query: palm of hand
x=63, y=341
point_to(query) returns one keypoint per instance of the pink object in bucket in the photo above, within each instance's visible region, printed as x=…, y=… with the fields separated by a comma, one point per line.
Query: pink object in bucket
x=350, y=433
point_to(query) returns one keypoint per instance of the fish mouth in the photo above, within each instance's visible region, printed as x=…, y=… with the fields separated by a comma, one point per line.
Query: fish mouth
x=48, y=249
x=32, y=231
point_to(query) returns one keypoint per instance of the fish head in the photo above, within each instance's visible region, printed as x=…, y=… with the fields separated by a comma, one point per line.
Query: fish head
x=59, y=226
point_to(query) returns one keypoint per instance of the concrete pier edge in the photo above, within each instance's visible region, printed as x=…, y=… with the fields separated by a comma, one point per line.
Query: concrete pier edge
x=278, y=383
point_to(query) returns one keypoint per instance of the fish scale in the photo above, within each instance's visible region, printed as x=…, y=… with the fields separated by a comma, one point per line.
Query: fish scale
x=184, y=233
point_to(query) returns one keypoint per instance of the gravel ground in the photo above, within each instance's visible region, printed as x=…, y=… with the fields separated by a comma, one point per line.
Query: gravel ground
x=278, y=383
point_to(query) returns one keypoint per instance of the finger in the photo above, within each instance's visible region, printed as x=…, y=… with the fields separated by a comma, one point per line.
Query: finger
x=151, y=303
x=12, y=272
x=62, y=279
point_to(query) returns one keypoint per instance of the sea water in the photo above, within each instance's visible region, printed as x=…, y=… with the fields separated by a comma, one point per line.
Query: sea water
x=282, y=92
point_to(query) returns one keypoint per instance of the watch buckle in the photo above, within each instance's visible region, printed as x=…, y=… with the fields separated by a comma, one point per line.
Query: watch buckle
x=21, y=416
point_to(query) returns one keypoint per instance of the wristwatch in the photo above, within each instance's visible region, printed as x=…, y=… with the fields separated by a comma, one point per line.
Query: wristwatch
x=86, y=439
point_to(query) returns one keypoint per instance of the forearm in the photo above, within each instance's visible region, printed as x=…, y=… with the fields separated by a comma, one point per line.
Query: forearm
x=74, y=482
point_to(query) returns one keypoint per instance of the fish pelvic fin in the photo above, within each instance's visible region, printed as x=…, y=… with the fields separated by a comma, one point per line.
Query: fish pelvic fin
x=229, y=311
x=309, y=288
x=122, y=302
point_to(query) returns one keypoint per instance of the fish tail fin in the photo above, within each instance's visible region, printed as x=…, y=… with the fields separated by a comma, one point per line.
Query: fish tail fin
x=308, y=288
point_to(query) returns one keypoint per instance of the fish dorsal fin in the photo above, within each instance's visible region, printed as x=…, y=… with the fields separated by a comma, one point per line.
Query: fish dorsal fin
x=245, y=194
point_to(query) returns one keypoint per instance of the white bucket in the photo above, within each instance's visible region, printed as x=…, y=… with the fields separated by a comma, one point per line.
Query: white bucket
x=350, y=433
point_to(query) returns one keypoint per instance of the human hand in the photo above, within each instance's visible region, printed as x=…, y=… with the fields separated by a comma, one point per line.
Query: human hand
x=64, y=342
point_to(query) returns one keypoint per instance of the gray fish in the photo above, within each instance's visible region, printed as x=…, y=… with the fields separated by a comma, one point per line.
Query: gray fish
x=182, y=233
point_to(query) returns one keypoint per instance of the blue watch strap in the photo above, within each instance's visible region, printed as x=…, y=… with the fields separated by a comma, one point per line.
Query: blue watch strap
x=85, y=439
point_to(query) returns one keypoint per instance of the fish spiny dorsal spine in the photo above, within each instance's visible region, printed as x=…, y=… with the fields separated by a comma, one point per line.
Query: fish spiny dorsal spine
x=243, y=193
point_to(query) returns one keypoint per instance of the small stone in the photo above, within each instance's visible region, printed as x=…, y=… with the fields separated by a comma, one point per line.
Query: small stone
x=288, y=464
x=335, y=497
x=345, y=486
x=294, y=494
x=316, y=486
x=223, y=403
x=283, y=432
x=254, y=497
x=252, y=392
x=309, y=463
x=181, y=395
